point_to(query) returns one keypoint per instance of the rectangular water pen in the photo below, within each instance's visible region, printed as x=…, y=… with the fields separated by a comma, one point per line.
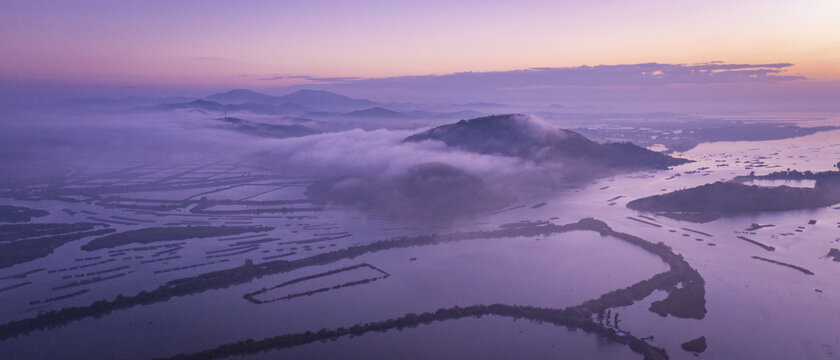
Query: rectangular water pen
x=330, y=280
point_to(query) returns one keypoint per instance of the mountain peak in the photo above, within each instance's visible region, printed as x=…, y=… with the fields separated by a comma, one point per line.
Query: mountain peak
x=315, y=99
x=238, y=96
x=523, y=136
x=511, y=128
x=325, y=101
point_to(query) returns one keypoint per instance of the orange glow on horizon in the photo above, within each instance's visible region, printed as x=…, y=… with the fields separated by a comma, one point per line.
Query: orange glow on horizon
x=218, y=43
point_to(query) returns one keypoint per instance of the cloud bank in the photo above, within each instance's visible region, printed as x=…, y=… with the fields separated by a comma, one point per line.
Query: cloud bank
x=713, y=86
x=377, y=171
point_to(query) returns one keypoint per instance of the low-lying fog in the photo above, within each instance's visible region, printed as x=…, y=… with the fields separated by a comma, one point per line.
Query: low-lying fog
x=371, y=160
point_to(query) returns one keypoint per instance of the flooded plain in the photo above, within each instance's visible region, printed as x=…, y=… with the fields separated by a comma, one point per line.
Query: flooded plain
x=248, y=216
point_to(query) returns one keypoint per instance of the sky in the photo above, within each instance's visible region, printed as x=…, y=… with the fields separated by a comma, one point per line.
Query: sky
x=213, y=43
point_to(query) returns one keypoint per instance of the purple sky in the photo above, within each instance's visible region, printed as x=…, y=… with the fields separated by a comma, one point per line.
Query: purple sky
x=198, y=46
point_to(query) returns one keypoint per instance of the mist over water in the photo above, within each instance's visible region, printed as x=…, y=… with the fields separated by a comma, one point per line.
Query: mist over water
x=374, y=219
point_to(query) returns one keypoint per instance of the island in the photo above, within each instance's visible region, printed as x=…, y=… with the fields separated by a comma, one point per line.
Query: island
x=522, y=136
x=712, y=201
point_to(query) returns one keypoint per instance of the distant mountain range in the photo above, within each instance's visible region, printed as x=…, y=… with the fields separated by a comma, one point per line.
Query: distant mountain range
x=297, y=103
x=252, y=107
x=312, y=99
x=308, y=103
x=523, y=137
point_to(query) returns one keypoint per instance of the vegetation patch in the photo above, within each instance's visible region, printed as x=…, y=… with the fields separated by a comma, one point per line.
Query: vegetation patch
x=10, y=213
x=834, y=254
x=688, y=303
x=697, y=345
x=22, y=251
x=561, y=317
x=797, y=268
